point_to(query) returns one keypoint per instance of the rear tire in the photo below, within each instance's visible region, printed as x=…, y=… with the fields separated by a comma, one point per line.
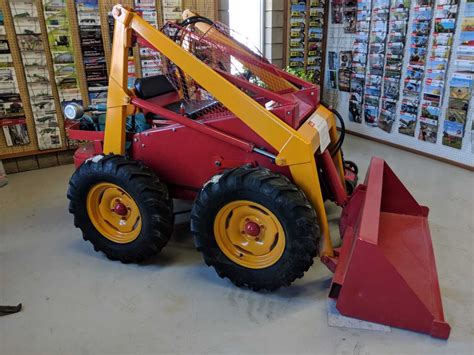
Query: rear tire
x=103, y=181
x=271, y=195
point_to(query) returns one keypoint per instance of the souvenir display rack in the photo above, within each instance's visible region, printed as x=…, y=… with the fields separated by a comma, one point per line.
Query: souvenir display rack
x=305, y=40
x=68, y=31
x=421, y=99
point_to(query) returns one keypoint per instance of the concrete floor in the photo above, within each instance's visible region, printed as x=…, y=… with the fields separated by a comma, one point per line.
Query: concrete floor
x=78, y=302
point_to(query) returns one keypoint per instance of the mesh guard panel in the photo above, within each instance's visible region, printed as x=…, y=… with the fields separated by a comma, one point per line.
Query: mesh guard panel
x=223, y=50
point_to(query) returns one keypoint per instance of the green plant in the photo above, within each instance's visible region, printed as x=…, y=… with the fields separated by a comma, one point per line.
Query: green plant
x=301, y=73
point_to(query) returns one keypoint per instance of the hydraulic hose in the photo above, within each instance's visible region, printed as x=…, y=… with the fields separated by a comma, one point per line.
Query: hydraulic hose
x=338, y=145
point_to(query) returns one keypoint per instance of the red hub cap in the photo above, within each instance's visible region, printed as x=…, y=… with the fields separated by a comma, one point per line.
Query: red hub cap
x=252, y=228
x=120, y=209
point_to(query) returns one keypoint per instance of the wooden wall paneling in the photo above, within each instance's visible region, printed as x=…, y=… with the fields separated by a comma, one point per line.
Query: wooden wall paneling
x=23, y=89
x=206, y=8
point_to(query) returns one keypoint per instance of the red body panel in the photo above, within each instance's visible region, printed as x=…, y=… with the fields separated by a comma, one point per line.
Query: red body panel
x=186, y=153
x=187, y=159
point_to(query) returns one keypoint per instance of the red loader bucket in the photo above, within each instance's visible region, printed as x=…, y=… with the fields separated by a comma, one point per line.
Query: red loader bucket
x=386, y=270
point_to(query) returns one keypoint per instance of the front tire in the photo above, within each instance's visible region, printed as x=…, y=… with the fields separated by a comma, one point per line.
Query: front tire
x=121, y=208
x=256, y=228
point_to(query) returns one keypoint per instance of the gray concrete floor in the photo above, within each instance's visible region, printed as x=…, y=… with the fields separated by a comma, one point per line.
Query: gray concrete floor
x=78, y=302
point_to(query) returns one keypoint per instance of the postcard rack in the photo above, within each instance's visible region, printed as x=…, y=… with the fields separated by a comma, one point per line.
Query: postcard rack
x=305, y=39
x=405, y=76
x=55, y=52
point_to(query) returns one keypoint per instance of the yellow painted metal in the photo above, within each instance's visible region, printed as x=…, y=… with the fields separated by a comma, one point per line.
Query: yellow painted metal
x=296, y=148
x=101, y=202
x=254, y=252
x=118, y=96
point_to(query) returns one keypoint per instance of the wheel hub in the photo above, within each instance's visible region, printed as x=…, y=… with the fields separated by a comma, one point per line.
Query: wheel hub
x=114, y=213
x=120, y=209
x=252, y=228
x=249, y=234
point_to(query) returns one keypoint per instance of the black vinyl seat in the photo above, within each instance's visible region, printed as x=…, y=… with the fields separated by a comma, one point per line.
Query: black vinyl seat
x=152, y=86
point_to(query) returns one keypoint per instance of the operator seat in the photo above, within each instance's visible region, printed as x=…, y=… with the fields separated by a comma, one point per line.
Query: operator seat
x=152, y=86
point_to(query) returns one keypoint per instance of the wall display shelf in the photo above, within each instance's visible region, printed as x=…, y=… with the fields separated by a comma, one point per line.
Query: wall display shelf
x=411, y=75
x=305, y=28
x=57, y=51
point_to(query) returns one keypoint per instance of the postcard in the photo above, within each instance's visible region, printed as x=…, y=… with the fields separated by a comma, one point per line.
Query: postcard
x=16, y=134
x=455, y=115
x=412, y=87
x=389, y=105
x=419, y=40
x=458, y=104
x=423, y=13
x=27, y=25
x=442, y=39
x=417, y=55
x=437, y=64
x=421, y=28
x=428, y=132
x=386, y=121
x=431, y=112
x=409, y=107
x=464, y=65
x=435, y=75
x=355, y=111
x=452, y=134
x=445, y=11
x=445, y=25
x=407, y=124
x=30, y=43
x=372, y=100
x=371, y=115
x=391, y=88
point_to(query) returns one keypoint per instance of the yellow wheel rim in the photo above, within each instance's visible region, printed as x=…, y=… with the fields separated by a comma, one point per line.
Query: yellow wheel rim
x=114, y=213
x=249, y=234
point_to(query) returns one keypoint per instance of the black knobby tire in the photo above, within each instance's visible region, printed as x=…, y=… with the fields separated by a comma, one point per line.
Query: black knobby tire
x=150, y=195
x=279, y=195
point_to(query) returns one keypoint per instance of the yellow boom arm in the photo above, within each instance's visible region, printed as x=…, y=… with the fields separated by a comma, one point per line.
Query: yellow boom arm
x=296, y=147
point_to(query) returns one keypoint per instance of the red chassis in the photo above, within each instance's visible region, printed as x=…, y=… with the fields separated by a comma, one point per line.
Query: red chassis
x=178, y=144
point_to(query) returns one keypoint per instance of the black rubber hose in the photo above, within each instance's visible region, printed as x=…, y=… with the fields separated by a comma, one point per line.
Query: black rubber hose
x=194, y=19
x=338, y=145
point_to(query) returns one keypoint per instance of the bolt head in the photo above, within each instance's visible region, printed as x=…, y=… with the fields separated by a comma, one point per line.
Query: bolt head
x=252, y=229
x=120, y=209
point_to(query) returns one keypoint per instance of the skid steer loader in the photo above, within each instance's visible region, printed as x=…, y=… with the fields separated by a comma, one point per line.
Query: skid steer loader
x=259, y=155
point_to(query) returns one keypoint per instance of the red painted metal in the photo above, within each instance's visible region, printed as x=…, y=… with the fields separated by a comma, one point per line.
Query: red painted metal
x=186, y=159
x=86, y=151
x=120, y=209
x=252, y=228
x=333, y=178
x=386, y=270
x=195, y=125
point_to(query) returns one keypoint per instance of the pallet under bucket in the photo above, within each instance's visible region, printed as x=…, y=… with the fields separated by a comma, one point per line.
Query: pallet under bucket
x=385, y=270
